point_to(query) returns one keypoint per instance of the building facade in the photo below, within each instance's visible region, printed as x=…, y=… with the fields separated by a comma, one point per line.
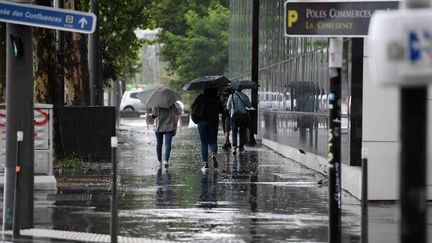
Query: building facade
x=293, y=99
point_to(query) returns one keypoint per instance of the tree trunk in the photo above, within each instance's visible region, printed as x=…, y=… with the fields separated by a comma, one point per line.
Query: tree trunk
x=44, y=62
x=74, y=85
x=85, y=76
x=2, y=62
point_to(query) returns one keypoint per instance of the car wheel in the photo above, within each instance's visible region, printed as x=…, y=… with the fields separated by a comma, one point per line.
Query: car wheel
x=128, y=108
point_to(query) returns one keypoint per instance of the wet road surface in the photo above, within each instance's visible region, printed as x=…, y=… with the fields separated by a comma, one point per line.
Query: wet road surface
x=255, y=196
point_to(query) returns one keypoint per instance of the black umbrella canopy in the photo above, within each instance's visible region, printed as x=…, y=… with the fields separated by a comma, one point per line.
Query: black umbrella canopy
x=243, y=84
x=206, y=82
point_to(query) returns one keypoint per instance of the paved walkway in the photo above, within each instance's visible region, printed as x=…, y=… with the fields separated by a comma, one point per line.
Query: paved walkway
x=256, y=196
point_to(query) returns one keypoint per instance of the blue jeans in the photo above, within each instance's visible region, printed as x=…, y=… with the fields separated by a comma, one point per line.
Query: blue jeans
x=241, y=131
x=159, y=142
x=208, y=137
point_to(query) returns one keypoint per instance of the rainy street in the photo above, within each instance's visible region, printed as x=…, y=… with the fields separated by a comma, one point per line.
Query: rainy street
x=255, y=196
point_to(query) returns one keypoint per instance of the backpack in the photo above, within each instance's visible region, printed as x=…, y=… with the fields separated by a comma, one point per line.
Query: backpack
x=240, y=119
x=198, y=112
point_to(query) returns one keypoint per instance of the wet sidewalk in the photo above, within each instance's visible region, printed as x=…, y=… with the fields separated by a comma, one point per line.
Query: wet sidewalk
x=255, y=196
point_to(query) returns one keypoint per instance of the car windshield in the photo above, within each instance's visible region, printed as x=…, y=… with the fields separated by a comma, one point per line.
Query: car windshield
x=134, y=95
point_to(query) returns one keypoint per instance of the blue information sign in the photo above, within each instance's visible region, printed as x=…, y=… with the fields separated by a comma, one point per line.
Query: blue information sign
x=46, y=17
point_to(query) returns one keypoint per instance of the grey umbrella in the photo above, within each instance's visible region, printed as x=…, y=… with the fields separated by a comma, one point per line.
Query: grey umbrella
x=206, y=82
x=160, y=96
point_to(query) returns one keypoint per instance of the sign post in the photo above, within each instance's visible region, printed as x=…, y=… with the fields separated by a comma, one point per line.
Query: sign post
x=334, y=140
x=46, y=17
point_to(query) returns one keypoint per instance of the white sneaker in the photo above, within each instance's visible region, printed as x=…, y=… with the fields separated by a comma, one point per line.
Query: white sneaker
x=204, y=169
x=166, y=164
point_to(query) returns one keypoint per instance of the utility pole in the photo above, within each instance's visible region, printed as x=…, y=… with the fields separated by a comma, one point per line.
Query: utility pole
x=96, y=92
x=20, y=116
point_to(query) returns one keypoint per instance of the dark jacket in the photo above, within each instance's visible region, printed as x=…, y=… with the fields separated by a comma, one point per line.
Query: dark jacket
x=213, y=107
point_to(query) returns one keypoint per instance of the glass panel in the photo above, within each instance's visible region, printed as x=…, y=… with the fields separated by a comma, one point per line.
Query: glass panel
x=293, y=77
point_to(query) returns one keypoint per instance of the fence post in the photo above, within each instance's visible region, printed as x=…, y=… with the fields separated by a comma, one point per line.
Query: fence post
x=16, y=215
x=114, y=219
x=364, y=201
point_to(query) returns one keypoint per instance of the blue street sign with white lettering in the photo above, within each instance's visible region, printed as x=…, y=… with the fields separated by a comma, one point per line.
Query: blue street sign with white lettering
x=46, y=17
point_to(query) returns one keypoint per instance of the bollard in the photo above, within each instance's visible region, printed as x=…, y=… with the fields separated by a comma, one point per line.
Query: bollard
x=113, y=230
x=16, y=216
x=364, y=201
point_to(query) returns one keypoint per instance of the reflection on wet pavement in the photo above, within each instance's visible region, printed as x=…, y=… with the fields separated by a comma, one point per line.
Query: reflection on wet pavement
x=255, y=196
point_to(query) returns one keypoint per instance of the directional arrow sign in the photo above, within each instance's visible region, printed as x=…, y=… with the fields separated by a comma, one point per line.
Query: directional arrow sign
x=46, y=17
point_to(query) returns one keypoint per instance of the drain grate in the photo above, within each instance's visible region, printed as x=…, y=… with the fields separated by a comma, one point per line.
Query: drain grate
x=69, y=197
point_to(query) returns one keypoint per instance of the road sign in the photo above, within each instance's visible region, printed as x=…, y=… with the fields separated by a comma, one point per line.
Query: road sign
x=46, y=17
x=331, y=19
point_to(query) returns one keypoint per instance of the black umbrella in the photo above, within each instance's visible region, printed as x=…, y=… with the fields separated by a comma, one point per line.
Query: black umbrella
x=244, y=84
x=206, y=82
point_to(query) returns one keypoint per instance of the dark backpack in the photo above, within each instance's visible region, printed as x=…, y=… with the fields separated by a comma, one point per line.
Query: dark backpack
x=198, y=112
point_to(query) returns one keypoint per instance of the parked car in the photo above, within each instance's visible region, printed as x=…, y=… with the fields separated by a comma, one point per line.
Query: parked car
x=130, y=102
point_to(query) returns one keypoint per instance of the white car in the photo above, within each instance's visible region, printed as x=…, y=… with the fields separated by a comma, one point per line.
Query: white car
x=130, y=102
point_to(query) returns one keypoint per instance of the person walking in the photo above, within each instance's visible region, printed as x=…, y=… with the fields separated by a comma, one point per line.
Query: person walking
x=165, y=127
x=226, y=121
x=205, y=113
x=236, y=105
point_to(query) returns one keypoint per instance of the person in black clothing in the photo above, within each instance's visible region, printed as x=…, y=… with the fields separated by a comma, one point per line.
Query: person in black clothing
x=208, y=125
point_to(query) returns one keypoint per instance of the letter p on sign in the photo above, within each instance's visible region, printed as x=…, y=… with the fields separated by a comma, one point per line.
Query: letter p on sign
x=292, y=17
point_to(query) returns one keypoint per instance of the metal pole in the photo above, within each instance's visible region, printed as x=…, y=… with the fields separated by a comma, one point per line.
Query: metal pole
x=20, y=114
x=413, y=196
x=334, y=140
x=16, y=216
x=413, y=131
x=364, y=200
x=254, y=69
x=114, y=223
x=94, y=58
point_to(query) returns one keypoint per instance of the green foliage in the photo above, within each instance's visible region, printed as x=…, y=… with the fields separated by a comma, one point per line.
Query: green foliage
x=203, y=49
x=119, y=45
x=72, y=162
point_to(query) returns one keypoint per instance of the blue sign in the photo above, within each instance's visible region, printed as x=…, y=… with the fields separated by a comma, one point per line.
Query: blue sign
x=46, y=17
x=420, y=46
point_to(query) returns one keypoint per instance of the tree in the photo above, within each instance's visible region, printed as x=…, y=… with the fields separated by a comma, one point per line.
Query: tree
x=203, y=50
x=44, y=59
x=120, y=45
x=173, y=22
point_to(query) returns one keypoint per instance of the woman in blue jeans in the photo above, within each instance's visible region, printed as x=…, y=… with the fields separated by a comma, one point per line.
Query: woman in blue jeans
x=208, y=124
x=165, y=127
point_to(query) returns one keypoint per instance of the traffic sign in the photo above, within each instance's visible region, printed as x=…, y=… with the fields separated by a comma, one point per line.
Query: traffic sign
x=46, y=17
x=331, y=18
